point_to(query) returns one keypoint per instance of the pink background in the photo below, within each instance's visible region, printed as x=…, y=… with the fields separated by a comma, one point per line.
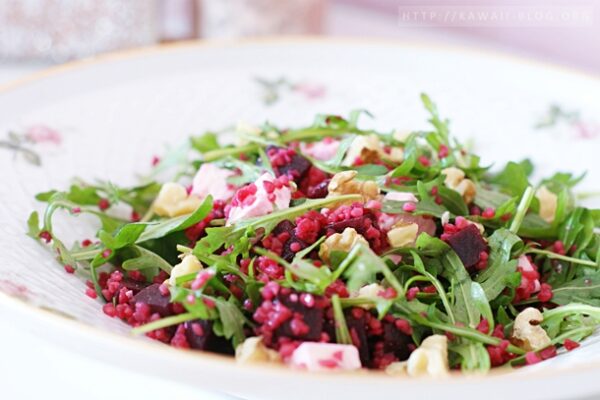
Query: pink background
x=575, y=46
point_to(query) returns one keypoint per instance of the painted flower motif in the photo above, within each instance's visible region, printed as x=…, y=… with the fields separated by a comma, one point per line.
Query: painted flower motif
x=580, y=127
x=21, y=144
x=43, y=134
x=14, y=289
x=587, y=130
x=273, y=90
x=310, y=90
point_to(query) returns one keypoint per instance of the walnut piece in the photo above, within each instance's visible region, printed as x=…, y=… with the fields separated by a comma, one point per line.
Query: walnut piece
x=344, y=241
x=403, y=235
x=455, y=180
x=548, y=203
x=527, y=332
x=253, y=351
x=343, y=183
x=367, y=148
x=188, y=265
x=173, y=200
x=431, y=358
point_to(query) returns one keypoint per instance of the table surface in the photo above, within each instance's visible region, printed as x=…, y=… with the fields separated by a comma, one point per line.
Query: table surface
x=32, y=368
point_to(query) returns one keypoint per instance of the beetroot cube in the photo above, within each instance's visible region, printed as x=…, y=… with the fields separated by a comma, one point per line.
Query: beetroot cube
x=468, y=245
x=152, y=296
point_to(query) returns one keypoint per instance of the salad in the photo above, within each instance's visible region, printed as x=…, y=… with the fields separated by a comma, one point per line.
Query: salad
x=333, y=247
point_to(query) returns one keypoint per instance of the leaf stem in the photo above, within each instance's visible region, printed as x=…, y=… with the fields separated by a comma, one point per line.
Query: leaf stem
x=556, y=256
x=163, y=323
x=522, y=209
x=302, y=134
x=342, y=334
x=229, y=151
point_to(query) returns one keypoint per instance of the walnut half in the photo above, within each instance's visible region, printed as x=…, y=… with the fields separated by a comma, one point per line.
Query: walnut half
x=431, y=358
x=344, y=183
x=344, y=241
x=527, y=332
x=455, y=180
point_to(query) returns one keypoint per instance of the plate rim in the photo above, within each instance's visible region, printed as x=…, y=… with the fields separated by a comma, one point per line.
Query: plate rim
x=16, y=304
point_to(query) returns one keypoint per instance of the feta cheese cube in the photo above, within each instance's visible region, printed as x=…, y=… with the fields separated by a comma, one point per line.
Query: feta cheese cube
x=401, y=196
x=264, y=202
x=323, y=150
x=212, y=180
x=326, y=357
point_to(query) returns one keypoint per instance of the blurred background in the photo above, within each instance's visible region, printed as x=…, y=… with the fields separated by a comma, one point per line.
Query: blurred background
x=37, y=33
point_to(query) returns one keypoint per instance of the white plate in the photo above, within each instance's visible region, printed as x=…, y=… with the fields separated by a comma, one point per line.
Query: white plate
x=106, y=118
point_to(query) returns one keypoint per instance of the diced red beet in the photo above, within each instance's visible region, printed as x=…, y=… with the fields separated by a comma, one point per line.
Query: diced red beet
x=318, y=191
x=296, y=168
x=358, y=332
x=152, y=296
x=133, y=285
x=288, y=226
x=468, y=245
x=394, y=341
x=200, y=336
x=311, y=316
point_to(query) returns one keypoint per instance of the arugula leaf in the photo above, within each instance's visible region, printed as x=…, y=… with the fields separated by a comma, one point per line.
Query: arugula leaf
x=205, y=143
x=362, y=265
x=232, y=319
x=512, y=179
x=482, y=303
x=342, y=334
x=493, y=279
x=584, y=289
x=474, y=357
x=146, y=259
x=371, y=170
x=431, y=246
x=33, y=225
x=249, y=172
x=423, y=207
x=320, y=277
x=453, y=201
x=343, y=147
x=562, y=180
x=140, y=232
x=464, y=308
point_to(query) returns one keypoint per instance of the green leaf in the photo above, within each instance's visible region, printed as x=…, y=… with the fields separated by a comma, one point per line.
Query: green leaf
x=320, y=277
x=33, y=225
x=249, y=172
x=473, y=357
x=371, y=170
x=205, y=142
x=423, y=207
x=493, y=278
x=343, y=147
x=342, y=334
x=431, y=246
x=146, y=259
x=482, y=303
x=453, y=201
x=232, y=319
x=165, y=227
x=512, y=180
x=361, y=267
x=562, y=180
x=125, y=236
x=585, y=290
x=465, y=309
